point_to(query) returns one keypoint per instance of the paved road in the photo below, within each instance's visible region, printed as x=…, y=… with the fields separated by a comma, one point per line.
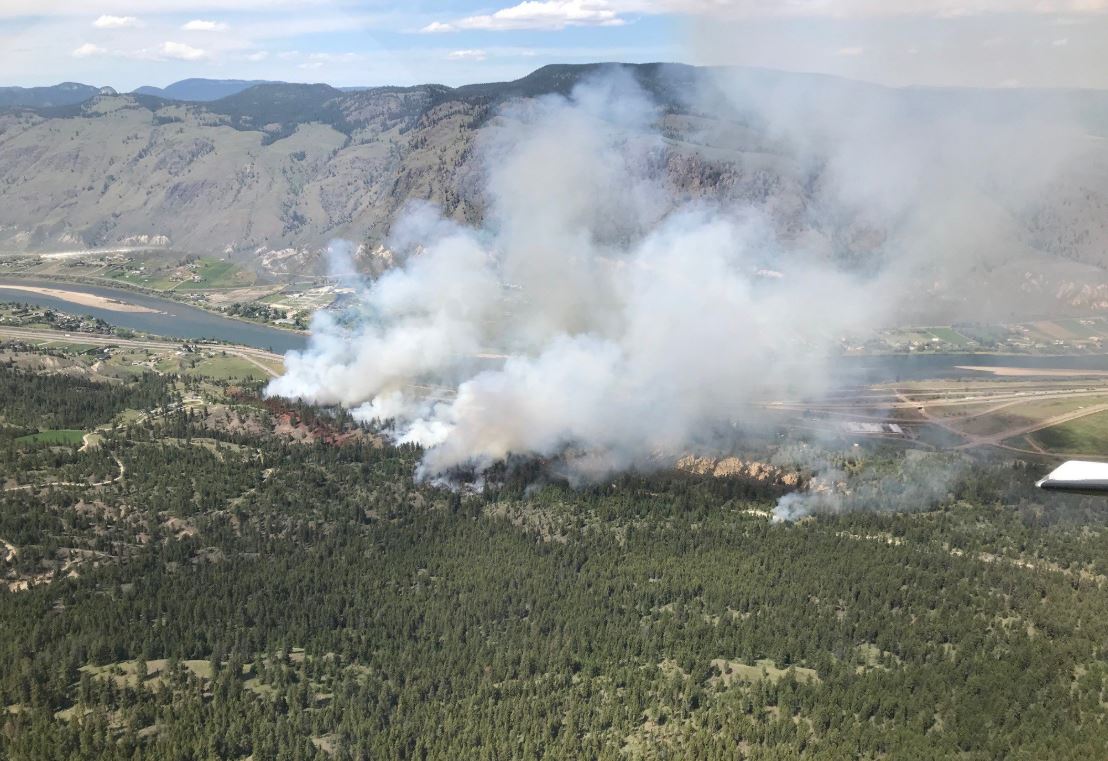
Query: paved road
x=254, y=356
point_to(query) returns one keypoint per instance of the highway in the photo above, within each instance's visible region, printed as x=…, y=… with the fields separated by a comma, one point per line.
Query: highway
x=256, y=357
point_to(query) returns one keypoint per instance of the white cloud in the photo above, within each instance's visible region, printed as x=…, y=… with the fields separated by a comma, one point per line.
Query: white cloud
x=261, y=55
x=467, y=55
x=850, y=52
x=181, y=52
x=1061, y=43
x=116, y=22
x=435, y=27
x=537, y=14
x=203, y=25
x=87, y=50
x=860, y=8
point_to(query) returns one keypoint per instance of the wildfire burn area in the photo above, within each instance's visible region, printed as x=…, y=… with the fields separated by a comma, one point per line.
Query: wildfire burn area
x=218, y=577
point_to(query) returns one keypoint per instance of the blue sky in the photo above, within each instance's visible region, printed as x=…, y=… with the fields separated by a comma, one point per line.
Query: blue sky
x=127, y=43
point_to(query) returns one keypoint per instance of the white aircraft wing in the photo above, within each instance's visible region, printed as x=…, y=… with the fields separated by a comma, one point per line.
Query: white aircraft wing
x=1078, y=477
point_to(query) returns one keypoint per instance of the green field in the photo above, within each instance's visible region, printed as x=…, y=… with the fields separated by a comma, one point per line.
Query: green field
x=56, y=436
x=1038, y=411
x=228, y=368
x=1097, y=328
x=949, y=335
x=985, y=334
x=209, y=273
x=156, y=280
x=1087, y=435
x=218, y=273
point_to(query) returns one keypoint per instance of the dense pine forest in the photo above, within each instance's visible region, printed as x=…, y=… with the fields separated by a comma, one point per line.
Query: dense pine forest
x=222, y=577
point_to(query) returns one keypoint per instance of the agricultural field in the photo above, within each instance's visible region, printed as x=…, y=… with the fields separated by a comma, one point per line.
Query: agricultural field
x=950, y=336
x=1087, y=436
x=1062, y=335
x=986, y=423
x=61, y=436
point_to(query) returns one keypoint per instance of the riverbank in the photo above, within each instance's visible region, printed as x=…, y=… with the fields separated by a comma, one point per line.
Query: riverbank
x=150, y=314
x=1031, y=372
x=107, y=283
x=83, y=299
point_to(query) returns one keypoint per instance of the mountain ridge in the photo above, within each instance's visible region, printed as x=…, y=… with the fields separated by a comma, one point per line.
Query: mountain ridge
x=285, y=167
x=200, y=89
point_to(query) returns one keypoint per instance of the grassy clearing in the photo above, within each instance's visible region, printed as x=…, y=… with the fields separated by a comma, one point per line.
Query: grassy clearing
x=1087, y=435
x=1031, y=413
x=949, y=335
x=1087, y=328
x=126, y=364
x=71, y=346
x=228, y=367
x=905, y=336
x=130, y=416
x=125, y=673
x=164, y=275
x=158, y=281
x=211, y=445
x=255, y=685
x=217, y=366
x=872, y=657
x=59, y=436
x=218, y=273
x=1052, y=331
x=737, y=671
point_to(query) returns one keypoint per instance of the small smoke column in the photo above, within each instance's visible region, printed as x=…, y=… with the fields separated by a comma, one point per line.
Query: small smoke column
x=915, y=482
x=629, y=323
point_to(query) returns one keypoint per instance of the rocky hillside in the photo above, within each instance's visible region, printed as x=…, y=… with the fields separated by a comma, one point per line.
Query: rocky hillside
x=281, y=167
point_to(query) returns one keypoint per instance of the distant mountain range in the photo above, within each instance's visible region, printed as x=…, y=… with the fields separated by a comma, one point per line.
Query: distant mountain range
x=65, y=94
x=273, y=171
x=193, y=90
x=201, y=89
x=70, y=93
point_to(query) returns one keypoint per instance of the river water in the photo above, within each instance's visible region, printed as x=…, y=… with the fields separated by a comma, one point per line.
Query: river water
x=887, y=368
x=172, y=318
x=178, y=320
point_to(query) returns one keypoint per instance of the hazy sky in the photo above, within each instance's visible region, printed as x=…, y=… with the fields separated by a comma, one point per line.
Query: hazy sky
x=127, y=43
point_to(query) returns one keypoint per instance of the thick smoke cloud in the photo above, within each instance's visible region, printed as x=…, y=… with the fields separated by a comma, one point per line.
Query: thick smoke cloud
x=949, y=195
x=594, y=317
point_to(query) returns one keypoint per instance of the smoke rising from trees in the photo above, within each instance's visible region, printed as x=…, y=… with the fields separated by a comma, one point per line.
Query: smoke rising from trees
x=624, y=321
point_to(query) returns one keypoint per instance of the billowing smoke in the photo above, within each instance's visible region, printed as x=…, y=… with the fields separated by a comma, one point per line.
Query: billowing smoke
x=595, y=316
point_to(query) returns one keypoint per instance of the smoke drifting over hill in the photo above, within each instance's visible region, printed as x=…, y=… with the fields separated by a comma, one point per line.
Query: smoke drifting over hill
x=628, y=321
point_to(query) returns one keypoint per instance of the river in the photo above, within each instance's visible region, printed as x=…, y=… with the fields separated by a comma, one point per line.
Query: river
x=887, y=368
x=170, y=318
x=178, y=320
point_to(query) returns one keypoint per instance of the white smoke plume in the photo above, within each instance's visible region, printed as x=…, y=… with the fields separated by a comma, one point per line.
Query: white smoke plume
x=626, y=322
x=915, y=482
